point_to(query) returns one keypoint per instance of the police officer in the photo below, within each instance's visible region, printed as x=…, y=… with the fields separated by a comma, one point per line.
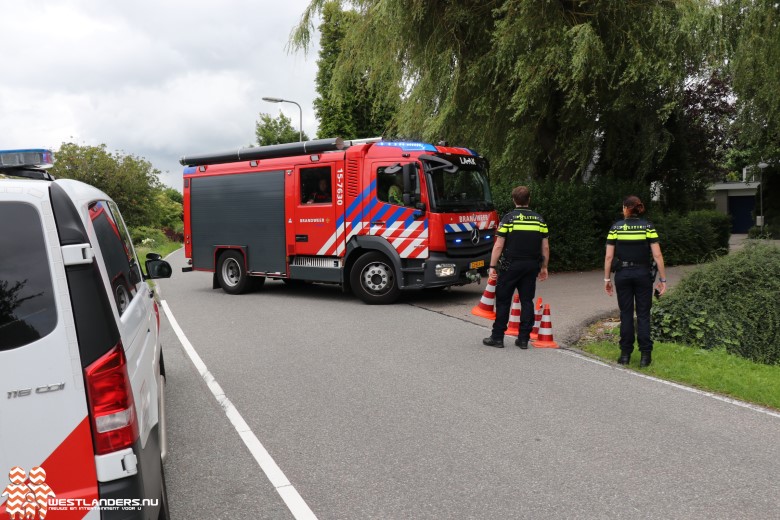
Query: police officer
x=630, y=244
x=522, y=238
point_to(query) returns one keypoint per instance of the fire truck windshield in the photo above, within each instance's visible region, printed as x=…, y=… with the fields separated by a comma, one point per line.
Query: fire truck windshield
x=466, y=189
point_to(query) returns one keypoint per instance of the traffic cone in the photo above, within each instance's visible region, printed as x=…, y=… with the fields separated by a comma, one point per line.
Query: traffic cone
x=537, y=319
x=545, y=337
x=484, y=309
x=514, y=317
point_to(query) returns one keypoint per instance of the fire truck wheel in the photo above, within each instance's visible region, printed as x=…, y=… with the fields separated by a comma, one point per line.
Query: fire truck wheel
x=232, y=275
x=373, y=279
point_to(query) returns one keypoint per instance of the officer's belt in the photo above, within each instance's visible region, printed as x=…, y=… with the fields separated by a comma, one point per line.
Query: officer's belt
x=633, y=264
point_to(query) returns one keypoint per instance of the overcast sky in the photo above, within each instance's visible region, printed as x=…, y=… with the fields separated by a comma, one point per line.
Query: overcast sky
x=157, y=79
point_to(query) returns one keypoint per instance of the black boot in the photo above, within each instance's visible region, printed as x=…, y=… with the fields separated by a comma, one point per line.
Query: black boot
x=522, y=343
x=493, y=342
x=624, y=359
x=645, y=360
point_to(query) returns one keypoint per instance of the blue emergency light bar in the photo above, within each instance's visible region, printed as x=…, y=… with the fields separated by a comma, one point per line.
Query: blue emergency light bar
x=33, y=158
x=408, y=146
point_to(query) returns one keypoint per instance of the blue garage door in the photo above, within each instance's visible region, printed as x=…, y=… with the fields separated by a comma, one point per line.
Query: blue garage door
x=741, y=211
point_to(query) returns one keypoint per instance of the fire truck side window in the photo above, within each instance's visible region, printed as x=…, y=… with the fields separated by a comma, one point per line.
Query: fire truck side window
x=315, y=186
x=390, y=186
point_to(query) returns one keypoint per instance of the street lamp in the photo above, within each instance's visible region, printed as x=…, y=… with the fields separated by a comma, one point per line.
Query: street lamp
x=761, y=166
x=300, y=110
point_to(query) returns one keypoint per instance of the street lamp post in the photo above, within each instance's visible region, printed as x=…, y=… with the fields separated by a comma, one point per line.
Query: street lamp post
x=300, y=110
x=761, y=166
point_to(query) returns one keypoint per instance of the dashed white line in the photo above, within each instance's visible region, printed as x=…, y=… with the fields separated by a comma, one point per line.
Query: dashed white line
x=295, y=503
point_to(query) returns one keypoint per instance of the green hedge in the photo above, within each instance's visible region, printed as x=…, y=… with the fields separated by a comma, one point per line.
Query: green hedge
x=147, y=237
x=696, y=237
x=579, y=216
x=733, y=302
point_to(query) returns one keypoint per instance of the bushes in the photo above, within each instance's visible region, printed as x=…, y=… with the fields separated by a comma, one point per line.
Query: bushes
x=733, y=302
x=693, y=238
x=579, y=216
x=768, y=233
x=147, y=237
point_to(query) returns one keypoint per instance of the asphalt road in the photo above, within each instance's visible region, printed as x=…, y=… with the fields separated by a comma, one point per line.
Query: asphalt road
x=399, y=412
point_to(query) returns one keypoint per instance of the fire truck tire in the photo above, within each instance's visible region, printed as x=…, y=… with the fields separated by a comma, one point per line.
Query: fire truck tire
x=232, y=274
x=373, y=279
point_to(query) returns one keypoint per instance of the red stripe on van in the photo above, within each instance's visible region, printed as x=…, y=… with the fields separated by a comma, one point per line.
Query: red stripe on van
x=70, y=473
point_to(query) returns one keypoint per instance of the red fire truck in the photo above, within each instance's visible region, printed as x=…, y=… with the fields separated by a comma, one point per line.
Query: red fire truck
x=374, y=216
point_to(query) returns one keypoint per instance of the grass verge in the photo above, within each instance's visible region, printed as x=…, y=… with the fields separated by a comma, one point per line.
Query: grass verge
x=164, y=249
x=711, y=370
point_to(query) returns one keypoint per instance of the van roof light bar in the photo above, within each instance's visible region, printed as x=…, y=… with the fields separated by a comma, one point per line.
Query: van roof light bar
x=38, y=158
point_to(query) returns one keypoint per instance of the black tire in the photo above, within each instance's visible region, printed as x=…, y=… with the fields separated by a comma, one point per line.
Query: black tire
x=231, y=273
x=373, y=279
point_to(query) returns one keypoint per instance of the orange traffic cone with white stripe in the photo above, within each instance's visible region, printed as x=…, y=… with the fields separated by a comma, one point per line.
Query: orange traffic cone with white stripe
x=514, y=317
x=545, y=336
x=485, y=307
x=537, y=319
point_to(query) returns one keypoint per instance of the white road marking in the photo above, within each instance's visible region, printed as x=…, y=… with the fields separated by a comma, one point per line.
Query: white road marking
x=275, y=475
x=729, y=400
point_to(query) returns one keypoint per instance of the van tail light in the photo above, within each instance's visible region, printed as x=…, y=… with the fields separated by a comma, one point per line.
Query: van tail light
x=157, y=313
x=111, y=405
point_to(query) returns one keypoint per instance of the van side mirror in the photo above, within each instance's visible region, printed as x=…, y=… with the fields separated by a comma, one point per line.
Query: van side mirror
x=156, y=268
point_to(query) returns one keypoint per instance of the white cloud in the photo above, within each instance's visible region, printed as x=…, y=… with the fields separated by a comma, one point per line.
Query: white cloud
x=155, y=79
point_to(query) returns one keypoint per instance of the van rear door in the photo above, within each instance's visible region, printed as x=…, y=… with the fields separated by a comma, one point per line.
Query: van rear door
x=45, y=433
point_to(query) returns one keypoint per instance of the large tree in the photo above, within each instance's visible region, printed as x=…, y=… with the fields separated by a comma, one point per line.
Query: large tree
x=130, y=180
x=753, y=28
x=553, y=89
x=352, y=109
x=277, y=130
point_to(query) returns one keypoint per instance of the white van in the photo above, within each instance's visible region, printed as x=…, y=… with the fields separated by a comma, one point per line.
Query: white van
x=82, y=415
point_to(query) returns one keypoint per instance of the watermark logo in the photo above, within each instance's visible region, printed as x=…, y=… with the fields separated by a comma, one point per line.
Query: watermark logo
x=31, y=498
x=28, y=499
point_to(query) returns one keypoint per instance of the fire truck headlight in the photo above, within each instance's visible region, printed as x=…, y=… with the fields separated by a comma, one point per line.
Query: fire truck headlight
x=444, y=270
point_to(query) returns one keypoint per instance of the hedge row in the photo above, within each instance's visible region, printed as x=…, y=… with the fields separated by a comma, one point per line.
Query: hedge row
x=733, y=302
x=580, y=215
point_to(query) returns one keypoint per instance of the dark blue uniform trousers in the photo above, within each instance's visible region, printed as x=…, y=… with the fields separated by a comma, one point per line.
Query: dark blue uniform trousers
x=520, y=276
x=634, y=286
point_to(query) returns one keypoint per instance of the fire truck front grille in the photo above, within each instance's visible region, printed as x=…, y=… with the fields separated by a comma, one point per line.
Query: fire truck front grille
x=462, y=244
x=316, y=261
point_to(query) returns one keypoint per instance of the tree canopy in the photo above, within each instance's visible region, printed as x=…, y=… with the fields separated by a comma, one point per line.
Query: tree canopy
x=276, y=130
x=131, y=181
x=551, y=89
x=753, y=31
x=355, y=110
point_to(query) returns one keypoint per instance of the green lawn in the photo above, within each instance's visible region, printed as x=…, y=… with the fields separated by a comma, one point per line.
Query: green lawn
x=711, y=370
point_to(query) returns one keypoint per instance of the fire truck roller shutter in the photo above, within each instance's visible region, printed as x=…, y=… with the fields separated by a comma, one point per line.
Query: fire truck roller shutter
x=244, y=210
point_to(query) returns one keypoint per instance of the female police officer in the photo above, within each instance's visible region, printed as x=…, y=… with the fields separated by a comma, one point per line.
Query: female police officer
x=630, y=243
